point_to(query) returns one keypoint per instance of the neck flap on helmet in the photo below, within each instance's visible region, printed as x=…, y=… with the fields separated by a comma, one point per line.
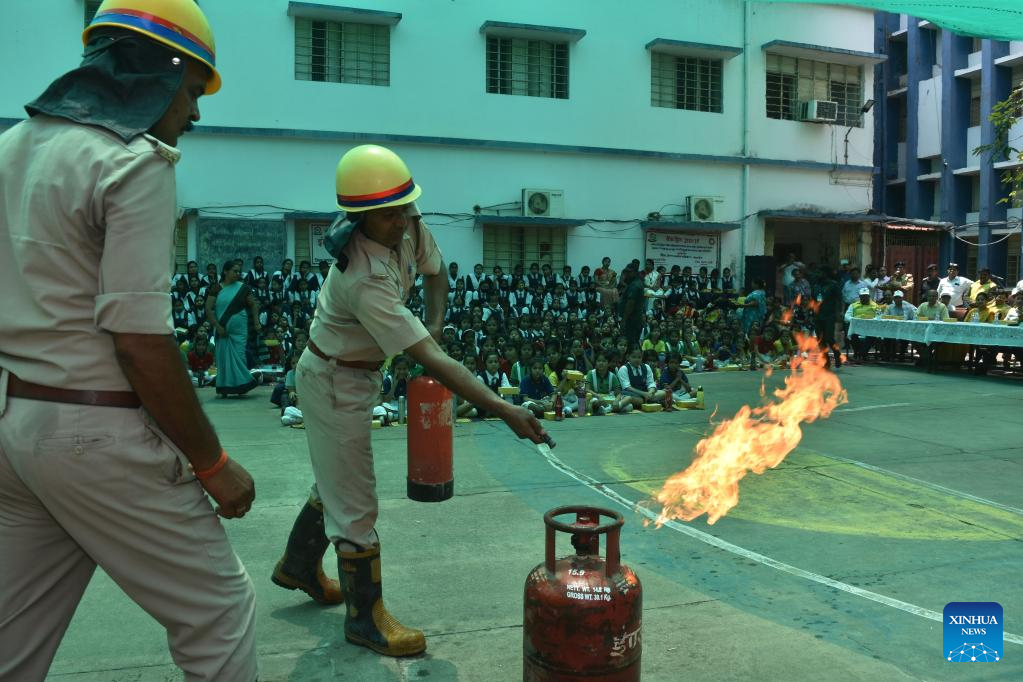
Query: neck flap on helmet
x=124, y=84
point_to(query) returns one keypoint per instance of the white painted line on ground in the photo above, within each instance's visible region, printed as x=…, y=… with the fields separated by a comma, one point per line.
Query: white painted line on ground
x=927, y=484
x=872, y=407
x=709, y=539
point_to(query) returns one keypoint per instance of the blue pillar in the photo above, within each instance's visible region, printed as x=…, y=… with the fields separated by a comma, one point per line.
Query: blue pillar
x=920, y=57
x=882, y=76
x=955, y=119
x=995, y=83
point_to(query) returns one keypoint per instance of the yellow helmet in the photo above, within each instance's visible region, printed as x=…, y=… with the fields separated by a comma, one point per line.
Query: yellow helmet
x=179, y=24
x=370, y=176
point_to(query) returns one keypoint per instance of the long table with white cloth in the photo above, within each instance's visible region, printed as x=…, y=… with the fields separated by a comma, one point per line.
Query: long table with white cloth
x=929, y=332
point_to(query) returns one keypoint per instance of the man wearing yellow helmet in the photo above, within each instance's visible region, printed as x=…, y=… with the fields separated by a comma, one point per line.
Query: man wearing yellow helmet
x=360, y=320
x=86, y=477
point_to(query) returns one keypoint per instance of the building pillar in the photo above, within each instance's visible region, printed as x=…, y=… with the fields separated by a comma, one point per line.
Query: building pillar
x=920, y=56
x=994, y=87
x=955, y=119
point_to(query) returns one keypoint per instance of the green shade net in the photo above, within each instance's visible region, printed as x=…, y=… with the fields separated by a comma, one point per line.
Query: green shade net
x=997, y=19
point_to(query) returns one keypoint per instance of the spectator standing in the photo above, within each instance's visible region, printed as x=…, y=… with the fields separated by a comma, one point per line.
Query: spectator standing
x=632, y=307
x=227, y=313
x=931, y=281
x=958, y=287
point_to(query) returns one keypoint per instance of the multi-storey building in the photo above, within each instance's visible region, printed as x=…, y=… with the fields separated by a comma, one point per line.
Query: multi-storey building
x=935, y=95
x=702, y=130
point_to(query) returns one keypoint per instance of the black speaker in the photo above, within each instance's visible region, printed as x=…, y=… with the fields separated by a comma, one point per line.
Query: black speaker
x=760, y=267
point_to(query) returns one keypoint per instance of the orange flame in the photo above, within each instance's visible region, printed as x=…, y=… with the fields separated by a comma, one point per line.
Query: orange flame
x=756, y=439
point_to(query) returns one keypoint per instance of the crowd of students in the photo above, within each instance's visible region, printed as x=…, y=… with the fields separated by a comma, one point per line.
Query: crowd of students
x=559, y=338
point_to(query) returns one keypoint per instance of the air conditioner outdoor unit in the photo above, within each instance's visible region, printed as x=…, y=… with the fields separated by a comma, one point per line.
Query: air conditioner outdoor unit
x=543, y=203
x=818, y=111
x=701, y=209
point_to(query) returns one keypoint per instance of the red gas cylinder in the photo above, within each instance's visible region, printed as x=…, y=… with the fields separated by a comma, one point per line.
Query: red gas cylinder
x=583, y=613
x=430, y=441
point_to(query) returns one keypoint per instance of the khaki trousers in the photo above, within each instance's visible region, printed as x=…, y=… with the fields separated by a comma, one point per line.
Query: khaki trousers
x=337, y=406
x=82, y=486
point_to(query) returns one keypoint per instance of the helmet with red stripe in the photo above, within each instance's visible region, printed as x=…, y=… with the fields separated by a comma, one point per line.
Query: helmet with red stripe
x=179, y=24
x=370, y=176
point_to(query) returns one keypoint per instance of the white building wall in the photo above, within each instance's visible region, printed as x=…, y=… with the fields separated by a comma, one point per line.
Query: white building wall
x=606, y=147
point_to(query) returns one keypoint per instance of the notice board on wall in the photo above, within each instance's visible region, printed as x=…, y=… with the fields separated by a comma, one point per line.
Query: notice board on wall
x=683, y=248
x=220, y=239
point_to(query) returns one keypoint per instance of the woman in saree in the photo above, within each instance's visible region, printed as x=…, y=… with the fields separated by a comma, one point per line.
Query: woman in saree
x=607, y=284
x=226, y=311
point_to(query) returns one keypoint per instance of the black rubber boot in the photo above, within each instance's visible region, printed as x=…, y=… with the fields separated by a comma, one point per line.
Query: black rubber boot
x=301, y=567
x=367, y=622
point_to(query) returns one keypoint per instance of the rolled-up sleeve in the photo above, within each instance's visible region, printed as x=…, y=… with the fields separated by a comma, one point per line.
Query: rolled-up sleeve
x=380, y=310
x=140, y=205
x=428, y=255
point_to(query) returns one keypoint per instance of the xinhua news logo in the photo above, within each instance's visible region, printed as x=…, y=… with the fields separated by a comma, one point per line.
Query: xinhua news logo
x=972, y=632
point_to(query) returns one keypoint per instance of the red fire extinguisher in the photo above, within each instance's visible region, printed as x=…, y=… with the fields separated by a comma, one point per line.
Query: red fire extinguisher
x=430, y=441
x=583, y=613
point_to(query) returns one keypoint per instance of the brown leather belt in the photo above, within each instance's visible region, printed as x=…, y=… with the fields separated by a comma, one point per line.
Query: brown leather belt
x=17, y=388
x=354, y=364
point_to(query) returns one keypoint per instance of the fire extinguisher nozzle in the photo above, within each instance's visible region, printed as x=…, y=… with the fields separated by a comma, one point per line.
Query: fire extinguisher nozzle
x=549, y=442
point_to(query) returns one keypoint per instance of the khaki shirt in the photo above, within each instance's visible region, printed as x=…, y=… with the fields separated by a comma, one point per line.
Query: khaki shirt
x=86, y=245
x=361, y=313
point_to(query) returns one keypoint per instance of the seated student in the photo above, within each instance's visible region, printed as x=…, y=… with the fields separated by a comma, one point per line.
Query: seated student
x=654, y=342
x=492, y=375
x=1001, y=303
x=274, y=351
x=520, y=369
x=653, y=361
x=536, y=389
x=786, y=346
x=200, y=360
x=764, y=346
x=464, y=409
x=469, y=345
x=724, y=350
x=583, y=356
x=509, y=355
x=606, y=389
x=395, y=384
x=638, y=381
x=567, y=387
x=674, y=379
x=456, y=311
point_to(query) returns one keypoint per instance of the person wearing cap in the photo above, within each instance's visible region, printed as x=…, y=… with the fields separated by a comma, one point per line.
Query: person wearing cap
x=945, y=298
x=863, y=308
x=892, y=349
x=958, y=286
x=380, y=244
x=984, y=284
x=87, y=478
x=900, y=280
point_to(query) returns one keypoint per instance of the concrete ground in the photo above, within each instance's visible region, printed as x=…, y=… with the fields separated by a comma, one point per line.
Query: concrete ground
x=831, y=568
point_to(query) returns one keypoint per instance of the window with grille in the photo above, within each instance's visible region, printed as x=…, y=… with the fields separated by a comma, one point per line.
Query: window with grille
x=1012, y=273
x=685, y=82
x=791, y=81
x=535, y=68
x=342, y=52
x=509, y=245
x=90, y=9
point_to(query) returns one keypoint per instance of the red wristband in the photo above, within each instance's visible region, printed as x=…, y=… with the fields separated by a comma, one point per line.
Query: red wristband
x=213, y=470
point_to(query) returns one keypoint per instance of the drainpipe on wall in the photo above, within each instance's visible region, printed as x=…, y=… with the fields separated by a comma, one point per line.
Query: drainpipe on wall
x=740, y=269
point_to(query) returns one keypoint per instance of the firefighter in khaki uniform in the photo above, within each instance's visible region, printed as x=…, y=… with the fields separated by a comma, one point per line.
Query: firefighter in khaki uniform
x=87, y=478
x=360, y=320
